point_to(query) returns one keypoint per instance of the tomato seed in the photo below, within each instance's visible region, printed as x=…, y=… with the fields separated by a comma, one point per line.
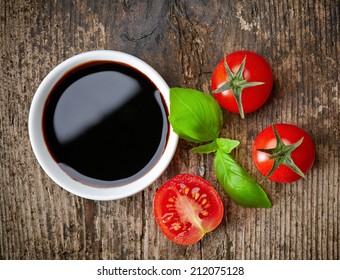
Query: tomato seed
x=205, y=213
x=176, y=226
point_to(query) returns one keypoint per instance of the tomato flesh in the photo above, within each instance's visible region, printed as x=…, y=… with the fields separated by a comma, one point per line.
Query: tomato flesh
x=303, y=156
x=256, y=70
x=187, y=207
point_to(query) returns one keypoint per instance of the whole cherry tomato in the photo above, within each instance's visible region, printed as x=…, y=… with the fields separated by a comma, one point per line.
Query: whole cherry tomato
x=283, y=153
x=187, y=207
x=242, y=82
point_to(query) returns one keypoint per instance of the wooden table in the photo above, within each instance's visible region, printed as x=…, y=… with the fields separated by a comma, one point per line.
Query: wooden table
x=183, y=41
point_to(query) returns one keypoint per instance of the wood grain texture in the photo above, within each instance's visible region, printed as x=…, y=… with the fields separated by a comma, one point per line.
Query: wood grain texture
x=183, y=40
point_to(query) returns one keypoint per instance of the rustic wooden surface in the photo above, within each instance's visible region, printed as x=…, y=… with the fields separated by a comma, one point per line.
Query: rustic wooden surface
x=183, y=40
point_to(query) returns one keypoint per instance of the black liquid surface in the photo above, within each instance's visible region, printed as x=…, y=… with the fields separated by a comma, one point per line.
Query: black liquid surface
x=105, y=124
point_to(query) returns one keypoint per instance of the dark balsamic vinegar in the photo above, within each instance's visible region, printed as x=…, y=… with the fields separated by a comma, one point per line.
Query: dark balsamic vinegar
x=105, y=123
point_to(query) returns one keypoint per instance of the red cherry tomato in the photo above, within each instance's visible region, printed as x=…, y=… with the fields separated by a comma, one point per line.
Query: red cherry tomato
x=256, y=69
x=187, y=207
x=302, y=156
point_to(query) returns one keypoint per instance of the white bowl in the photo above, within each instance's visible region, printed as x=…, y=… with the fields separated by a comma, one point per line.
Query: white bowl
x=52, y=168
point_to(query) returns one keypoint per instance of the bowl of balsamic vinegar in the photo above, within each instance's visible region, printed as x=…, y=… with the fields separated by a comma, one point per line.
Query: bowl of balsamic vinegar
x=98, y=125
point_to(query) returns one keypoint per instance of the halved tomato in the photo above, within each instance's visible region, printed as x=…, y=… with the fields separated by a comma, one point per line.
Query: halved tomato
x=187, y=207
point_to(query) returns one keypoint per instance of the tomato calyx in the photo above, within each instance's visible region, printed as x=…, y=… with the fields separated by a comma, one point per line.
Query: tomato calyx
x=236, y=83
x=282, y=155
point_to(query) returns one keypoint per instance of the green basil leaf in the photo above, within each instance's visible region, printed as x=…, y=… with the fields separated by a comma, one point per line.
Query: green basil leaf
x=238, y=184
x=227, y=145
x=195, y=116
x=206, y=149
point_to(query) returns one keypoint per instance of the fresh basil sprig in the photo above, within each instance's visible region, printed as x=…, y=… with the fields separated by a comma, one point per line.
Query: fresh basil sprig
x=197, y=117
